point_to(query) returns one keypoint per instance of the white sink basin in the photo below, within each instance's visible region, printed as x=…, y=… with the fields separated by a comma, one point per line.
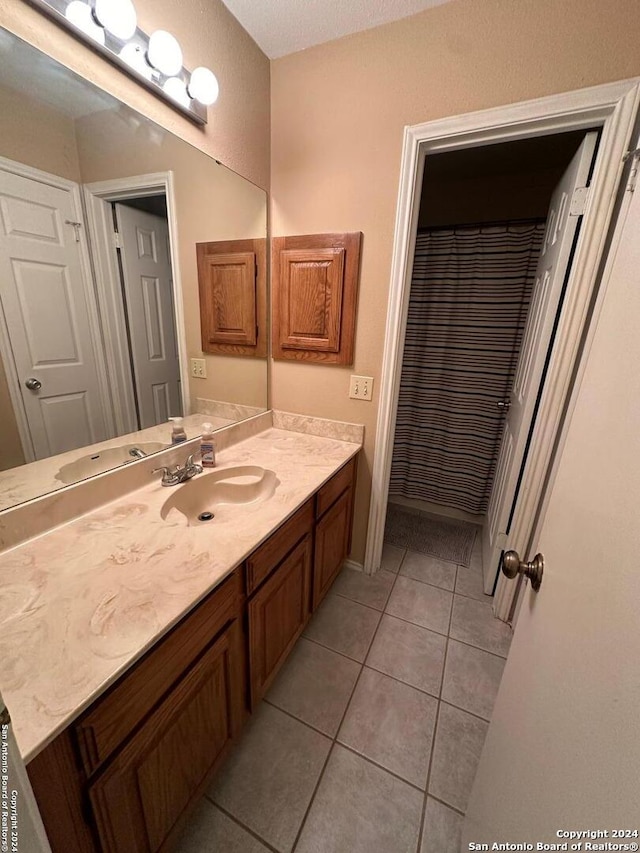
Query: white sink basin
x=197, y=499
x=104, y=460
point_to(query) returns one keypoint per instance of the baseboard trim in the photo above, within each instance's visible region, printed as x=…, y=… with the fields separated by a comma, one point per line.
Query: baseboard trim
x=351, y=564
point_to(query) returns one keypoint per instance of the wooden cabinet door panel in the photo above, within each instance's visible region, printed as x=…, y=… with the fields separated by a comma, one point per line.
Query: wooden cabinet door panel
x=311, y=305
x=278, y=613
x=264, y=559
x=142, y=794
x=331, y=548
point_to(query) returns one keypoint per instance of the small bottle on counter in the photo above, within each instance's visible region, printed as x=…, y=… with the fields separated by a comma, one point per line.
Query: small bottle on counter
x=207, y=447
x=177, y=431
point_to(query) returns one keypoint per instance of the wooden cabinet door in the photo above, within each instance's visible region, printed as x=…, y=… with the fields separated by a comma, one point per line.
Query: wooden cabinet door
x=278, y=613
x=332, y=545
x=138, y=800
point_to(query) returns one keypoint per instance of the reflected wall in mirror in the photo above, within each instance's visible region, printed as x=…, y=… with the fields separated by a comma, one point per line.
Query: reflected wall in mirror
x=100, y=214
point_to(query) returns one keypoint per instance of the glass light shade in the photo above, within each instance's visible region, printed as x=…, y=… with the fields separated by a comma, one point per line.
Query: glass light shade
x=177, y=90
x=79, y=14
x=203, y=86
x=135, y=57
x=164, y=53
x=117, y=17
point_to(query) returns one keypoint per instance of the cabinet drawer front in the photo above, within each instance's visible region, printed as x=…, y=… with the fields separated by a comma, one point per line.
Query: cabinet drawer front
x=278, y=614
x=138, y=800
x=265, y=558
x=332, y=490
x=331, y=546
x=116, y=715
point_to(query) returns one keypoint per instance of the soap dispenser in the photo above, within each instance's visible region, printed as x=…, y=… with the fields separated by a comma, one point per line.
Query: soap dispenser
x=207, y=447
x=177, y=431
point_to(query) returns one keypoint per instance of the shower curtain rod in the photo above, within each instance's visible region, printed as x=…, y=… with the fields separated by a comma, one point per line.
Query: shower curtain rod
x=487, y=224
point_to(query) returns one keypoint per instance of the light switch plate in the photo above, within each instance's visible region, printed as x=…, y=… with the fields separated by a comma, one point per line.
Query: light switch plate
x=361, y=387
x=198, y=368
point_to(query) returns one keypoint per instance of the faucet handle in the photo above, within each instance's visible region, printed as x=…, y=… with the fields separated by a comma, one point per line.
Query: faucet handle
x=166, y=472
x=191, y=465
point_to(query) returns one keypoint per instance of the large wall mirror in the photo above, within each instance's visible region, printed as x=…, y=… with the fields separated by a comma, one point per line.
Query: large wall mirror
x=101, y=211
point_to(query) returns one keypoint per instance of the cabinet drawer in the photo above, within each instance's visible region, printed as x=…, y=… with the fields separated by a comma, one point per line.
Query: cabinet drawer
x=332, y=490
x=265, y=558
x=139, y=799
x=278, y=613
x=117, y=714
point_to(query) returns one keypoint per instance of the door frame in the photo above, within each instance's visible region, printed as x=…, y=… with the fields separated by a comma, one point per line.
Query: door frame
x=613, y=108
x=6, y=353
x=97, y=199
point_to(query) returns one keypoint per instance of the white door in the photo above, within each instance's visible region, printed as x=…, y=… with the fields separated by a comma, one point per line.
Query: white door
x=555, y=255
x=45, y=292
x=563, y=747
x=146, y=267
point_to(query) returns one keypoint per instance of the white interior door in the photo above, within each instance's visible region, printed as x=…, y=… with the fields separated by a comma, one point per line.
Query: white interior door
x=553, y=264
x=146, y=265
x=45, y=293
x=563, y=747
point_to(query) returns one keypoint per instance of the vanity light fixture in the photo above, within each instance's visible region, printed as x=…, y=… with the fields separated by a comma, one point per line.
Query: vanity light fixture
x=110, y=27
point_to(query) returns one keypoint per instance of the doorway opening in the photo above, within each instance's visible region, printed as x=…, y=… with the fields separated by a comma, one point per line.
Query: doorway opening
x=497, y=227
x=611, y=109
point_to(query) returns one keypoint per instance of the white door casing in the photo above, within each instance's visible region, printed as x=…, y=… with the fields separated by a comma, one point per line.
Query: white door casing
x=146, y=268
x=49, y=313
x=563, y=747
x=612, y=107
x=555, y=255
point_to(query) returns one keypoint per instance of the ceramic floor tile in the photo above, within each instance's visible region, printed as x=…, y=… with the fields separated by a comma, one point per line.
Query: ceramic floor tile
x=428, y=569
x=269, y=778
x=442, y=831
x=473, y=622
x=372, y=590
x=408, y=652
x=360, y=808
x=209, y=831
x=344, y=626
x=472, y=678
x=392, y=724
x=392, y=556
x=476, y=553
x=456, y=753
x=469, y=582
x=421, y=604
x=315, y=685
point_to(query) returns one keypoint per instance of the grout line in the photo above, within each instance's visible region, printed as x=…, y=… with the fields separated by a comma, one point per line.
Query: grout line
x=335, y=651
x=355, y=601
x=247, y=829
x=300, y=720
x=380, y=766
x=335, y=737
x=448, y=805
x=464, y=711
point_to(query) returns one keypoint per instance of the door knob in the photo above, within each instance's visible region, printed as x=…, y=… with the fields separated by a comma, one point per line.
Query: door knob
x=504, y=405
x=512, y=565
x=33, y=384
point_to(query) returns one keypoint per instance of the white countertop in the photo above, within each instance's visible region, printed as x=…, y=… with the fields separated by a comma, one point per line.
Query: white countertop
x=83, y=602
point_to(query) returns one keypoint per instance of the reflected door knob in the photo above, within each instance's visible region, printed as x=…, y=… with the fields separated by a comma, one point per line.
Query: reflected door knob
x=33, y=384
x=512, y=565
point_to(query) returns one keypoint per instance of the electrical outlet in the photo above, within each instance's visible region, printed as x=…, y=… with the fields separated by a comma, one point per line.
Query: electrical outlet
x=198, y=368
x=361, y=387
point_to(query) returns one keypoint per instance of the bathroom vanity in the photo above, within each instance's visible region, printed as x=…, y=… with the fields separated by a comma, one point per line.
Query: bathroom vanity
x=178, y=629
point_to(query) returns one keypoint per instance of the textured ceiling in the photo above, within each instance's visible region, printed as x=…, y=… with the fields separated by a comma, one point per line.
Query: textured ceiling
x=285, y=26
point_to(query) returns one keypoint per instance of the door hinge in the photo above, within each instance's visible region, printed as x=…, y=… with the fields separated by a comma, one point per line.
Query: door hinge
x=634, y=156
x=116, y=240
x=579, y=201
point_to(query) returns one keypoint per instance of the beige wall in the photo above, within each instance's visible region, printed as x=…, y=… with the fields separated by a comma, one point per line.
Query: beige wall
x=212, y=203
x=338, y=112
x=238, y=130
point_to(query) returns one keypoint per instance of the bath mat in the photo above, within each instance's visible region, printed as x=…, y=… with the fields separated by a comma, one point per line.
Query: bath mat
x=445, y=538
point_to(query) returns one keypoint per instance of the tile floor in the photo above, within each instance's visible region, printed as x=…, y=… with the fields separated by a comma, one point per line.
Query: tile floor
x=369, y=739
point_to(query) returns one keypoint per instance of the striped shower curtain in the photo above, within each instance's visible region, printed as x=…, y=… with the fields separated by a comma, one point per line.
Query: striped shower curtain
x=470, y=294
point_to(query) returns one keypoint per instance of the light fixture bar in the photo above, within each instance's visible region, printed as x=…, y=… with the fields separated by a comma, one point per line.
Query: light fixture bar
x=138, y=67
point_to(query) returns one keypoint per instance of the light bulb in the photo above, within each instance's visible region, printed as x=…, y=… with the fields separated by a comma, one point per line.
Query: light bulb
x=177, y=91
x=164, y=53
x=79, y=14
x=135, y=57
x=117, y=17
x=203, y=86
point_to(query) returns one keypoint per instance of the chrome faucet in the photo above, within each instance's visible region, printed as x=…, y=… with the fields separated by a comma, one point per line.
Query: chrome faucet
x=177, y=475
x=137, y=453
